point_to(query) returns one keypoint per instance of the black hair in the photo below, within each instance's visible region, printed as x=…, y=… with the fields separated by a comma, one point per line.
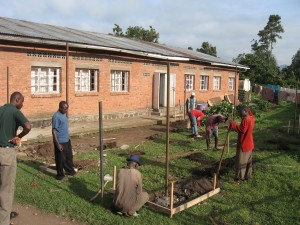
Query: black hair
x=243, y=108
x=63, y=103
x=218, y=119
x=15, y=95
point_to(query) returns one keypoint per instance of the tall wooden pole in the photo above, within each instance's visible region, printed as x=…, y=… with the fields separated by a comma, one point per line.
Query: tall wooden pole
x=7, y=85
x=167, y=128
x=101, y=149
x=235, y=94
x=67, y=73
x=295, y=116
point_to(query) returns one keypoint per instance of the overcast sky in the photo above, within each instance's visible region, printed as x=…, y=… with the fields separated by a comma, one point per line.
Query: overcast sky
x=229, y=25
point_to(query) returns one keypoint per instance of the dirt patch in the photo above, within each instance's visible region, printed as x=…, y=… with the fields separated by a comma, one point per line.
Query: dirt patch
x=199, y=184
x=281, y=144
x=112, y=139
x=184, y=190
x=86, y=164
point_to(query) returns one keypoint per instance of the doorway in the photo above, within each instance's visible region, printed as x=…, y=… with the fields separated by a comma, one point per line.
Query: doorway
x=160, y=90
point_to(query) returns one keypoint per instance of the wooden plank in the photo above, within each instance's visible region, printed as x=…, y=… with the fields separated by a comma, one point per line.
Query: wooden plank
x=195, y=201
x=172, y=199
x=115, y=178
x=159, y=207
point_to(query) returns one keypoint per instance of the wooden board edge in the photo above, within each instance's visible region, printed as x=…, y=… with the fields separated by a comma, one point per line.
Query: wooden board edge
x=195, y=201
x=159, y=207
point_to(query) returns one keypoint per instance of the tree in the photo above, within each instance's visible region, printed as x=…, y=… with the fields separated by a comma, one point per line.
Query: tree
x=137, y=32
x=261, y=70
x=207, y=49
x=117, y=31
x=295, y=66
x=190, y=48
x=269, y=35
x=262, y=63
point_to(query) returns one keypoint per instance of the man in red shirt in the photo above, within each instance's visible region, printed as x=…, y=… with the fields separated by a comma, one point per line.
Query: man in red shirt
x=195, y=116
x=245, y=144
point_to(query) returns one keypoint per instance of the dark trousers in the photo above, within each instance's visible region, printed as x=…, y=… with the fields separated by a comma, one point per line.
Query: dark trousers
x=64, y=160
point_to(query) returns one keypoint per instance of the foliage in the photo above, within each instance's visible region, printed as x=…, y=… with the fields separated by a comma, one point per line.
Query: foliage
x=224, y=108
x=262, y=104
x=262, y=63
x=137, y=32
x=207, y=48
x=263, y=68
x=269, y=34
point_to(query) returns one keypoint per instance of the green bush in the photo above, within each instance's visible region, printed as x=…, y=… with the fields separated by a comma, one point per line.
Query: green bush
x=223, y=108
x=261, y=104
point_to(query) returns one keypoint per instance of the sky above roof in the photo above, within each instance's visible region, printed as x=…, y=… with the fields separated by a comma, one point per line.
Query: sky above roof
x=229, y=25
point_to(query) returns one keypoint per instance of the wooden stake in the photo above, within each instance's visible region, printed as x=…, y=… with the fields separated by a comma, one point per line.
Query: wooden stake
x=172, y=198
x=215, y=180
x=115, y=175
x=298, y=124
x=219, y=167
x=289, y=126
x=227, y=144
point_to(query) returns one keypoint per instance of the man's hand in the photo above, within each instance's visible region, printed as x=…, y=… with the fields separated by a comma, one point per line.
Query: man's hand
x=15, y=140
x=60, y=147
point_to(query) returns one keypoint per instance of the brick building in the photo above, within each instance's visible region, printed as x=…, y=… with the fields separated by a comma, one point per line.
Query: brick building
x=49, y=64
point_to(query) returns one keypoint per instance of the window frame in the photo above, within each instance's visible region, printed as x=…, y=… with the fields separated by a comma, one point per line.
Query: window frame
x=204, y=82
x=231, y=83
x=189, y=82
x=217, y=87
x=45, y=80
x=119, y=81
x=86, y=80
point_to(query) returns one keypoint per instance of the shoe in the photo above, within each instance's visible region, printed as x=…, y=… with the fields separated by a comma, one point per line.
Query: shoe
x=64, y=178
x=119, y=213
x=13, y=214
x=217, y=148
x=71, y=173
x=135, y=214
x=198, y=136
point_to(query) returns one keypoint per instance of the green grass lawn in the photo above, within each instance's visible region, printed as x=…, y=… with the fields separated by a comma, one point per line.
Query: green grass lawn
x=270, y=197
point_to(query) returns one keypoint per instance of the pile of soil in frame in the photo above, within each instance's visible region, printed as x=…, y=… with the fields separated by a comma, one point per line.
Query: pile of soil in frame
x=200, y=182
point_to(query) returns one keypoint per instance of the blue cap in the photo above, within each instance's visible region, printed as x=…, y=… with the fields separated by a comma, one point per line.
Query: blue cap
x=134, y=158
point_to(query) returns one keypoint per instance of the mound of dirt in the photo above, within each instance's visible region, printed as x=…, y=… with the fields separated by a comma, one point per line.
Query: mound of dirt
x=45, y=149
x=184, y=190
x=85, y=164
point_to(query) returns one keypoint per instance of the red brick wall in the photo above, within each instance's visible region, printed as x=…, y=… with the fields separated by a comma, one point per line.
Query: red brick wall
x=140, y=87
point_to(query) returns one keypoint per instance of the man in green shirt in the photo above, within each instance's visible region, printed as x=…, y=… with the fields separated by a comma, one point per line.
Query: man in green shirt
x=10, y=119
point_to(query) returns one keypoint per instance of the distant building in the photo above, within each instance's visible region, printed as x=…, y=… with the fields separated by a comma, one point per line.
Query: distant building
x=49, y=64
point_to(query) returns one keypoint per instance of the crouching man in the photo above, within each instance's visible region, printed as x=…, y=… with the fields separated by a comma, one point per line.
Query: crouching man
x=129, y=196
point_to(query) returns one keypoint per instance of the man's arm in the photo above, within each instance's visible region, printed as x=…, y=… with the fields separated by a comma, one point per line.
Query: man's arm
x=55, y=140
x=26, y=129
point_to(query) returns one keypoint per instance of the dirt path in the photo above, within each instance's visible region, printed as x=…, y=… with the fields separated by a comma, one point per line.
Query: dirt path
x=31, y=216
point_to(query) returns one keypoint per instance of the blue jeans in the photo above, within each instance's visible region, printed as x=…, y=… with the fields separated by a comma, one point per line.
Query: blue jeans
x=193, y=120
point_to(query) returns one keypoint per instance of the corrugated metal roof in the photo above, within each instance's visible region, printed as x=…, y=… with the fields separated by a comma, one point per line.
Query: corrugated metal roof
x=26, y=29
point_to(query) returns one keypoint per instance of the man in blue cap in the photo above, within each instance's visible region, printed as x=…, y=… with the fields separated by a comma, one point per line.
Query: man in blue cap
x=129, y=196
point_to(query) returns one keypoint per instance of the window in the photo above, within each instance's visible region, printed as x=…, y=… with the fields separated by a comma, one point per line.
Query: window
x=204, y=82
x=86, y=80
x=217, y=83
x=119, y=81
x=231, y=83
x=45, y=80
x=189, y=82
